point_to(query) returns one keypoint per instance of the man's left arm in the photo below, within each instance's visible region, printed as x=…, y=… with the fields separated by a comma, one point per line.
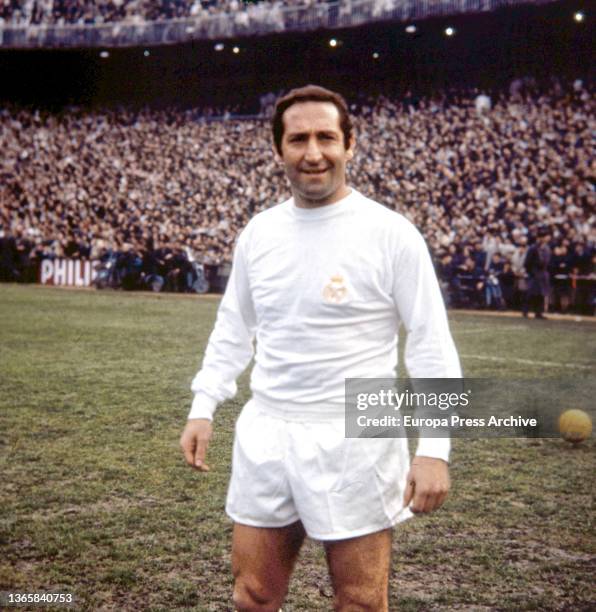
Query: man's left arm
x=429, y=353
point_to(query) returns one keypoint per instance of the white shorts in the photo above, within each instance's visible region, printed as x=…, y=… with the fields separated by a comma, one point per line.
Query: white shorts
x=284, y=471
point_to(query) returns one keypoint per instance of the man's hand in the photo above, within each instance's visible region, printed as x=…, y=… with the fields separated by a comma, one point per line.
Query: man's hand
x=427, y=484
x=194, y=442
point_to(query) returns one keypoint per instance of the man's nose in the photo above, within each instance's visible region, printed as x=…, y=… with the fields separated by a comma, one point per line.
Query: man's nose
x=313, y=151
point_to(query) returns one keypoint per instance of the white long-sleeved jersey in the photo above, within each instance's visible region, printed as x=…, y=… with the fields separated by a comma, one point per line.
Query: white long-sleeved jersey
x=324, y=292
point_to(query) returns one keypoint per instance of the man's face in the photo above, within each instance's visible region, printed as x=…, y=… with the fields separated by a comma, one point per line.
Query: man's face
x=314, y=155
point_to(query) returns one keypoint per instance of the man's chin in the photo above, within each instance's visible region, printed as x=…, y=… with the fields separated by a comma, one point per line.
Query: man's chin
x=317, y=196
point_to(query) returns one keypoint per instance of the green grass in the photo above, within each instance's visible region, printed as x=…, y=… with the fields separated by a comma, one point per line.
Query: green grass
x=96, y=498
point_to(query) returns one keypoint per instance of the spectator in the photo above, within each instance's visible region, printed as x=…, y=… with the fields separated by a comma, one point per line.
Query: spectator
x=468, y=285
x=560, y=271
x=518, y=267
x=582, y=287
x=493, y=293
x=537, y=266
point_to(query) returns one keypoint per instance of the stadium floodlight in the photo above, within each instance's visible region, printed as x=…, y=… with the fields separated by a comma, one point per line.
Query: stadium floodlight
x=333, y=42
x=219, y=46
x=449, y=31
x=104, y=54
x=236, y=50
x=146, y=53
x=411, y=29
x=579, y=16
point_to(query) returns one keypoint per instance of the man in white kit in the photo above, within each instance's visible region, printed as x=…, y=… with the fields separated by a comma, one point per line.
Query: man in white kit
x=322, y=282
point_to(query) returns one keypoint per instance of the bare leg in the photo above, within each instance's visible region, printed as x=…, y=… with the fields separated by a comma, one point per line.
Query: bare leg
x=262, y=562
x=359, y=570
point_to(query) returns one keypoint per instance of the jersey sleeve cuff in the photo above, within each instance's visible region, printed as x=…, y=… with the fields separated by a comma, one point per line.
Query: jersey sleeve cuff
x=202, y=407
x=437, y=448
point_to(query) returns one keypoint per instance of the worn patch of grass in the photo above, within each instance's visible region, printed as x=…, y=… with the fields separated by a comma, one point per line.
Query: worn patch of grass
x=96, y=498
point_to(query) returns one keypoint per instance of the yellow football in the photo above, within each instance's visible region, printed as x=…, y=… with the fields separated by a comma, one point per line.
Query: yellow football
x=575, y=425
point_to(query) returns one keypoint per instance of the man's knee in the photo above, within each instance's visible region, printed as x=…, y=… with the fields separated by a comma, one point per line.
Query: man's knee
x=251, y=595
x=356, y=598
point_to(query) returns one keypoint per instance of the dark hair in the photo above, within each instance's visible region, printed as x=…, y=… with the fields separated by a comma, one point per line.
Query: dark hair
x=310, y=93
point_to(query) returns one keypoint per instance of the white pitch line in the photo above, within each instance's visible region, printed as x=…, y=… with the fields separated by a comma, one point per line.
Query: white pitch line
x=482, y=330
x=553, y=364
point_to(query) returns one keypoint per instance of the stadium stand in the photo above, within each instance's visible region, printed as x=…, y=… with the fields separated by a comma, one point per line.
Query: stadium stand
x=59, y=12
x=76, y=23
x=150, y=160
x=150, y=192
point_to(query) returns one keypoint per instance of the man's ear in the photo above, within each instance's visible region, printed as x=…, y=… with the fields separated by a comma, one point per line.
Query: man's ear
x=277, y=156
x=351, y=148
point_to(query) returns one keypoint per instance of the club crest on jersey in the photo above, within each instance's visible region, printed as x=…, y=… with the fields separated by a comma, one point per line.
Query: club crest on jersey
x=335, y=290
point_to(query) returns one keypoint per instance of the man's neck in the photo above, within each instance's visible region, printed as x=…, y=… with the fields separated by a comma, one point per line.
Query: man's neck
x=338, y=197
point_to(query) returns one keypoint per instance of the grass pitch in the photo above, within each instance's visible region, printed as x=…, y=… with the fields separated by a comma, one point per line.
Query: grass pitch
x=97, y=501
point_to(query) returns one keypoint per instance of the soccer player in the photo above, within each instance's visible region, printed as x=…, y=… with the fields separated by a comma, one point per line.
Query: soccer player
x=322, y=282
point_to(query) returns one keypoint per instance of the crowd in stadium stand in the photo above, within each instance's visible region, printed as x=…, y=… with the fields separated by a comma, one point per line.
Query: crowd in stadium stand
x=59, y=12
x=154, y=193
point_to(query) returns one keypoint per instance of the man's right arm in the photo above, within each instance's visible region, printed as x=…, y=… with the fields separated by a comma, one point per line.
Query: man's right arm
x=229, y=351
x=194, y=442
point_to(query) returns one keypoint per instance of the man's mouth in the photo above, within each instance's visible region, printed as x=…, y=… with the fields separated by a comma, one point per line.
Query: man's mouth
x=315, y=172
